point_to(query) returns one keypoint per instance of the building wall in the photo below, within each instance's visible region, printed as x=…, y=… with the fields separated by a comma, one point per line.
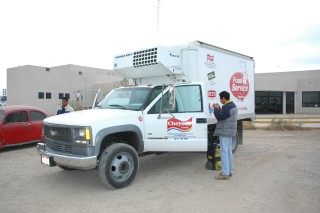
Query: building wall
x=297, y=82
x=25, y=82
x=307, y=85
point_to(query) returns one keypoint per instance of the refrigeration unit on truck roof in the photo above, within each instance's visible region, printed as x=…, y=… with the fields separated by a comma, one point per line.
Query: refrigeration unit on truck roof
x=151, y=62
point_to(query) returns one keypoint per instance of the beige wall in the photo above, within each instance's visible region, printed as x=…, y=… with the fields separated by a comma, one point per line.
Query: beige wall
x=25, y=82
x=297, y=82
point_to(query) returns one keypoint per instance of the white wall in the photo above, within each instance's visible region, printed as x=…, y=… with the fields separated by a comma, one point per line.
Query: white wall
x=25, y=82
x=298, y=82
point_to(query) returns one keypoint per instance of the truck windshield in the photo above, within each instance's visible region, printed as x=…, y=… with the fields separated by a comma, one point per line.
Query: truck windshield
x=131, y=98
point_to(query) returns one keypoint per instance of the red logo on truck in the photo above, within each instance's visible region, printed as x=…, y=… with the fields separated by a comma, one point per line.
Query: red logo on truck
x=212, y=94
x=210, y=57
x=182, y=126
x=239, y=85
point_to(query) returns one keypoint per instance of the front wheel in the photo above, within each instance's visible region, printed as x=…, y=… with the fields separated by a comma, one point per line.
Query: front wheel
x=118, y=165
x=65, y=168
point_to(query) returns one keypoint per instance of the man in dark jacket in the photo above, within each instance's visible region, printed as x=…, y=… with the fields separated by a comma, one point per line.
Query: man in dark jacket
x=226, y=129
x=65, y=107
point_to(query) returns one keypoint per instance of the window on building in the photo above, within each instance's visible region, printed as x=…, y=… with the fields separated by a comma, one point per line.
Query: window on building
x=268, y=102
x=62, y=95
x=48, y=95
x=41, y=95
x=4, y=92
x=311, y=99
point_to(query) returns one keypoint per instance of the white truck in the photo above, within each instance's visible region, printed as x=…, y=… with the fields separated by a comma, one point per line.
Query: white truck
x=168, y=109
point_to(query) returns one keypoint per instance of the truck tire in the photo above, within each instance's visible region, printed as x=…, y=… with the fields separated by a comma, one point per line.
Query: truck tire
x=65, y=168
x=118, y=165
x=235, y=142
x=238, y=139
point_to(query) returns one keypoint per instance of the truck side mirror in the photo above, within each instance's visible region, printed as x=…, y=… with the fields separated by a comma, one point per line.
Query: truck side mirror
x=94, y=104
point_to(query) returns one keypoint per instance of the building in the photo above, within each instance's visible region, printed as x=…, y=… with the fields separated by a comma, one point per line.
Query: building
x=288, y=92
x=275, y=93
x=3, y=97
x=44, y=87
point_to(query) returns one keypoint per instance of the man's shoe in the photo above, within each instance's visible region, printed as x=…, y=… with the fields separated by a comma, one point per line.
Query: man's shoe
x=230, y=175
x=222, y=177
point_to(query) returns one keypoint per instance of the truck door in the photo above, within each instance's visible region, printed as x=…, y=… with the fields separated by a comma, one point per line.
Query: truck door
x=183, y=128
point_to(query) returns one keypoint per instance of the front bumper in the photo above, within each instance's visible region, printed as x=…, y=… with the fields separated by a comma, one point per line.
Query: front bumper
x=68, y=160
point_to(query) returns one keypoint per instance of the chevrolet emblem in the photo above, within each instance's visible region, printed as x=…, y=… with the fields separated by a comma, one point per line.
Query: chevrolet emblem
x=53, y=133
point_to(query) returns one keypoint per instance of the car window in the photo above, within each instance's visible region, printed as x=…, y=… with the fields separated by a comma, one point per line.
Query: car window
x=37, y=116
x=1, y=115
x=16, y=117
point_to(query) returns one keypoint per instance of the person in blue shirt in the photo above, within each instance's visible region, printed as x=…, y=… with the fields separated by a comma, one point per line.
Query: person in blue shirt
x=226, y=129
x=65, y=107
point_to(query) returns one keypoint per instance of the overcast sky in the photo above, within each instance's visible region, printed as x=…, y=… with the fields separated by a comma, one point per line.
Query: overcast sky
x=281, y=35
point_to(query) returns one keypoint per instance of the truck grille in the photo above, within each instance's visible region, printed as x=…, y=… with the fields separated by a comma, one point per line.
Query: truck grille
x=58, y=133
x=60, y=147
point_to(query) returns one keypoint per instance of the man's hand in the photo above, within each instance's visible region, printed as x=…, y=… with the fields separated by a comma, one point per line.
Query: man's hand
x=217, y=106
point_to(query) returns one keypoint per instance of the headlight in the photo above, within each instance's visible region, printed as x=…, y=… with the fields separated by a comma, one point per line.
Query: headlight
x=82, y=136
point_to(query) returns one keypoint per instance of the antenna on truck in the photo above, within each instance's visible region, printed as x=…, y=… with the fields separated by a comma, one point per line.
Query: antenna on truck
x=158, y=20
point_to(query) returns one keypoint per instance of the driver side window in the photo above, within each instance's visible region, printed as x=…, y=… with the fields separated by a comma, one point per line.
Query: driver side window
x=156, y=108
x=188, y=98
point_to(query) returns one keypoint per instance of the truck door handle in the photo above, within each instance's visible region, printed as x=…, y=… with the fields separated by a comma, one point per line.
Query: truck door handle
x=201, y=120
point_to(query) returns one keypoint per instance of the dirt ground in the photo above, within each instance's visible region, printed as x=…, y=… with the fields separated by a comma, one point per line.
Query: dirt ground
x=274, y=171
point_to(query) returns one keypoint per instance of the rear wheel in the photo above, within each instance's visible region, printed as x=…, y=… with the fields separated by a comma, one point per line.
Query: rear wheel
x=238, y=139
x=235, y=141
x=118, y=165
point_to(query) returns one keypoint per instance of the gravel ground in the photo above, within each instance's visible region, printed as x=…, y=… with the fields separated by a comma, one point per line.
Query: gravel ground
x=274, y=171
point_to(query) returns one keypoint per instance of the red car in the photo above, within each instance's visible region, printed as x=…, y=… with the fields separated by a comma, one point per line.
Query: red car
x=20, y=125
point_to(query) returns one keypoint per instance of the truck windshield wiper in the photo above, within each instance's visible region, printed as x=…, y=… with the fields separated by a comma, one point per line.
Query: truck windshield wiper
x=118, y=106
